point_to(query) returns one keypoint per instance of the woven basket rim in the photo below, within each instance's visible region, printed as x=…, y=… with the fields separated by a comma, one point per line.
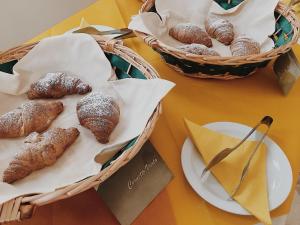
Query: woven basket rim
x=220, y=60
x=24, y=206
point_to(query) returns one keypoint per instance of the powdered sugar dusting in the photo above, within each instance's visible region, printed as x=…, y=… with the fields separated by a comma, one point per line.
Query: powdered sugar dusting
x=97, y=104
x=9, y=122
x=190, y=33
x=219, y=28
x=198, y=49
x=188, y=27
x=243, y=46
x=41, y=150
x=59, y=136
x=30, y=116
x=49, y=81
x=56, y=85
x=100, y=113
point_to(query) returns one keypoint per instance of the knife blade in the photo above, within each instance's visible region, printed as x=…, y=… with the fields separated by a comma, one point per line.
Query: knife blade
x=123, y=32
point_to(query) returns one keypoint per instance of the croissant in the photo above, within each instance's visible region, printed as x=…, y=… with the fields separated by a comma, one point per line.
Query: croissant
x=41, y=150
x=198, y=49
x=30, y=116
x=189, y=33
x=220, y=29
x=57, y=85
x=100, y=113
x=242, y=46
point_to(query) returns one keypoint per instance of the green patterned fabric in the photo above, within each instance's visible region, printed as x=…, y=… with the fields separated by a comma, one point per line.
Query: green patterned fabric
x=121, y=67
x=224, y=3
x=284, y=31
x=126, y=147
x=7, y=67
x=190, y=67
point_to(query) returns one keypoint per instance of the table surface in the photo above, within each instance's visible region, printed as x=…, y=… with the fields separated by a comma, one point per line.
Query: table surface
x=203, y=101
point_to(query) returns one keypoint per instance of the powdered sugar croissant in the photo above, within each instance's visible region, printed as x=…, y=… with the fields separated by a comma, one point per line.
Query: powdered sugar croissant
x=100, y=113
x=220, y=29
x=243, y=46
x=41, y=150
x=190, y=33
x=198, y=49
x=57, y=85
x=30, y=116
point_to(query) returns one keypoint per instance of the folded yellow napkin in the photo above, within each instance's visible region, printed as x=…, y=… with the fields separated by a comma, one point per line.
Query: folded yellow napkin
x=253, y=193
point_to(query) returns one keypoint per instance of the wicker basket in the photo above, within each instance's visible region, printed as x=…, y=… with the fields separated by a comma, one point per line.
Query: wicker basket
x=126, y=64
x=226, y=68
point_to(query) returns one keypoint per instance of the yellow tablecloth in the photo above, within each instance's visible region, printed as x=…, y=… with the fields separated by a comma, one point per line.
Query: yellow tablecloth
x=244, y=101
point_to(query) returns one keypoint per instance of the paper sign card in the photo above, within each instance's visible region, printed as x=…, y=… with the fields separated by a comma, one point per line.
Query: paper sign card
x=134, y=186
x=287, y=70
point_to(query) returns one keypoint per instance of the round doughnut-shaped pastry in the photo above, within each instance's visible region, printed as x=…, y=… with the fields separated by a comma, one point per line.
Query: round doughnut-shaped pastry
x=220, y=29
x=189, y=33
x=242, y=46
x=198, y=49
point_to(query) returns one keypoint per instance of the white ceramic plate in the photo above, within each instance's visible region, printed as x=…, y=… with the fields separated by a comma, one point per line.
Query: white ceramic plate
x=279, y=171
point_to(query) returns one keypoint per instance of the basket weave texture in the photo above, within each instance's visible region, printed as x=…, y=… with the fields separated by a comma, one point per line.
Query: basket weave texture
x=226, y=68
x=127, y=64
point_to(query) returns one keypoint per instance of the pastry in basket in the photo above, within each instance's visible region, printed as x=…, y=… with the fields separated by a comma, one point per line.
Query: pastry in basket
x=242, y=46
x=198, y=49
x=41, y=150
x=100, y=113
x=57, y=85
x=220, y=29
x=189, y=33
x=30, y=116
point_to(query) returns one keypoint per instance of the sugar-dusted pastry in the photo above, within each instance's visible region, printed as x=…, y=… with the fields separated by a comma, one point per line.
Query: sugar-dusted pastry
x=57, y=85
x=198, y=49
x=189, y=33
x=220, y=29
x=30, y=116
x=40, y=150
x=100, y=113
x=242, y=46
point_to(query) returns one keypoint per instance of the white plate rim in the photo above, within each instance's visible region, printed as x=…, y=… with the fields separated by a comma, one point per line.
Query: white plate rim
x=231, y=206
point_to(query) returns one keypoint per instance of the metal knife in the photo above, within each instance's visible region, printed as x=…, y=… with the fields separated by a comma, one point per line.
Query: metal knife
x=124, y=33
